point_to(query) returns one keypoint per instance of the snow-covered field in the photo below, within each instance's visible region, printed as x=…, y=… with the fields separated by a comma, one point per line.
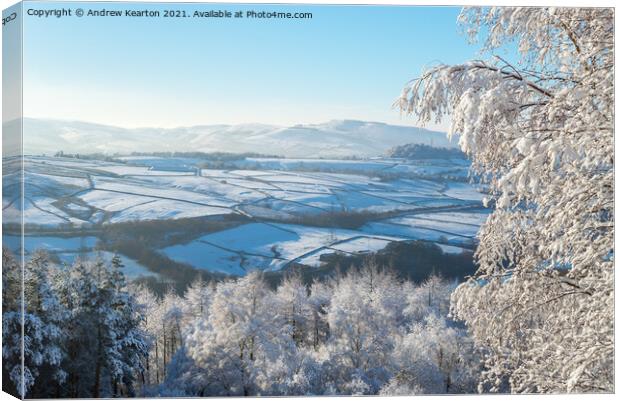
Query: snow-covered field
x=279, y=198
x=270, y=246
x=68, y=249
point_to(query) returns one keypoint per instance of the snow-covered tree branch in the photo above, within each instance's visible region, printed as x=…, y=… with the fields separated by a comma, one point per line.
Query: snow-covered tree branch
x=540, y=130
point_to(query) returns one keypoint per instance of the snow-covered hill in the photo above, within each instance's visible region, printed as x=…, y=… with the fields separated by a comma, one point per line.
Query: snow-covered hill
x=338, y=138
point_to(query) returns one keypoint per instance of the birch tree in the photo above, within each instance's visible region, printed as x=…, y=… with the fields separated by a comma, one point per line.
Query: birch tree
x=540, y=131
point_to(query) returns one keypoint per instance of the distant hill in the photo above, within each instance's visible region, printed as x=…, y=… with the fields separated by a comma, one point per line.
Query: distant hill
x=417, y=151
x=335, y=139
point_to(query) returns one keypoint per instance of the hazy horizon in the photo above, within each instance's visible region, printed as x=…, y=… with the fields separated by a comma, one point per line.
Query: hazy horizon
x=330, y=139
x=217, y=123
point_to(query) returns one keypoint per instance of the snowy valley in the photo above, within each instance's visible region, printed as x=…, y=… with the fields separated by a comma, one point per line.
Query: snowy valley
x=256, y=213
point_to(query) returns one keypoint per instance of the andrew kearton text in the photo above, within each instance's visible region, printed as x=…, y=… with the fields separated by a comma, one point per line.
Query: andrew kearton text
x=123, y=13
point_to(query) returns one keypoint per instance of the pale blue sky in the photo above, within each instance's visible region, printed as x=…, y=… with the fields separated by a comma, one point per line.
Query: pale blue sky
x=347, y=62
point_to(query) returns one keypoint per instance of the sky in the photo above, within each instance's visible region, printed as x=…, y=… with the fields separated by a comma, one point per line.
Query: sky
x=347, y=62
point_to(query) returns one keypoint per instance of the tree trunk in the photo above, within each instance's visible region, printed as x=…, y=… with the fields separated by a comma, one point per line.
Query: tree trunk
x=97, y=386
x=156, y=361
x=164, y=365
x=97, y=379
x=114, y=388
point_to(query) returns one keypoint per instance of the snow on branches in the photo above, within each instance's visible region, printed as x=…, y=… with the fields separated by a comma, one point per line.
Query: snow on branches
x=540, y=130
x=364, y=332
x=78, y=329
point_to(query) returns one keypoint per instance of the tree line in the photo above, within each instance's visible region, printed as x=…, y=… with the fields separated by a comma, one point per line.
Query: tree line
x=89, y=333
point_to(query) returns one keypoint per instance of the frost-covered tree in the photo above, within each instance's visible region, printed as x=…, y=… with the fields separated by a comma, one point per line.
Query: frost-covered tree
x=540, y=130
x=430, y=297
x=436, y=357
x=364, y=315
x=320, y=296
x=11, y=281
x=147, y=305
x=11, y=324
x=81, y=329
x=43, y=310
x=364, y=332
x=293, y=305
x=197, y=300
x=164, y=321
x=130, y=342
x=167, y=320
x=42, y=328
x=171, y=320
x=239, y=340
x=105, y=346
